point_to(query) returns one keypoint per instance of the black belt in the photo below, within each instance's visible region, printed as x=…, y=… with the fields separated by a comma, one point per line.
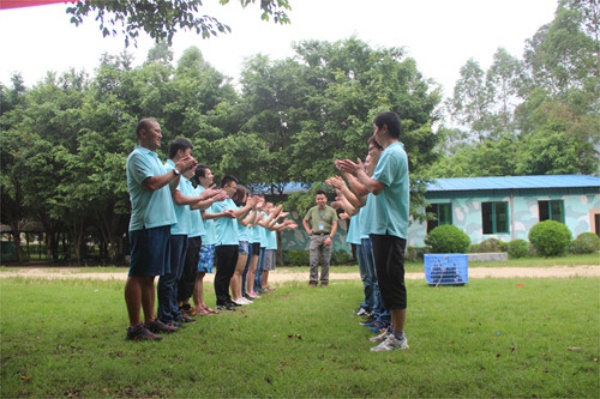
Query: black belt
x=320, y=234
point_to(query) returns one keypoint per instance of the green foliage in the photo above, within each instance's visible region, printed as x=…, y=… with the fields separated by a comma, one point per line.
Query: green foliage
x=160, y=19
x=447, y=239
x=534, y=116
x=585, y=243
x=491, y=245
x=298, y=257
x=415, y=253
x=518, y=249
x=340, y=257
x=550, y=238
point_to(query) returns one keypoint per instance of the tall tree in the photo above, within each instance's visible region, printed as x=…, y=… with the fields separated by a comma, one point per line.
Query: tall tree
x=503, y=80
x=160, y=19
x=471, y=101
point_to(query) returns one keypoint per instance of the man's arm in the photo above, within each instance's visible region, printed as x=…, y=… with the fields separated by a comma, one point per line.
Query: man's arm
x=357, y=169
x=154, y=183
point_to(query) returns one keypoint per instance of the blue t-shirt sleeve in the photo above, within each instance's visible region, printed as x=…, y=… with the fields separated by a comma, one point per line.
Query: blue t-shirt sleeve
x=384, y=171
x=140, y=168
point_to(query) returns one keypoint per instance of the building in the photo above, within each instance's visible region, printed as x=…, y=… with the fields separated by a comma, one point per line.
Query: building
x=507, y=207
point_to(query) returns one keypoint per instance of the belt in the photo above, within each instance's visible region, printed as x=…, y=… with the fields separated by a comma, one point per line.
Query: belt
x=320, y=234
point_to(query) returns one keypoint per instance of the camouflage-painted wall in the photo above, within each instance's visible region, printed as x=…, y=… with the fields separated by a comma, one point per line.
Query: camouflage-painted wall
x=579, y=205
x=298, y=239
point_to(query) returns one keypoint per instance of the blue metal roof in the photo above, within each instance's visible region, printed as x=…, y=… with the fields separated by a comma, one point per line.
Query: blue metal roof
x=513, y=183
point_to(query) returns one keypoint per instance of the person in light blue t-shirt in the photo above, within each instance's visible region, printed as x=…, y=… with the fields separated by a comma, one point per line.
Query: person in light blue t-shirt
x=389, y=227
x=152, y=215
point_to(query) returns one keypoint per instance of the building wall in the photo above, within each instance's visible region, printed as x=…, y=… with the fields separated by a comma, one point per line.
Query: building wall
x=579, y=206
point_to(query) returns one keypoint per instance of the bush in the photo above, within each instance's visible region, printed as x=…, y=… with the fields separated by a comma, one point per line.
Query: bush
x=448, y=239
x=474, y=248
x=415, y=253
x=298, y=257
x=550, y=238
x=518, y=249
x=491, y=245
x=340, y=257
x=585, y=243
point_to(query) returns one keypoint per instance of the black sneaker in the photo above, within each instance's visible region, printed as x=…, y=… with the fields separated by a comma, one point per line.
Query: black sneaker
x=226, y=306
x=141, y=333
x=185, y=319
x=235, y=305
x=158, y=327
x=248, y=297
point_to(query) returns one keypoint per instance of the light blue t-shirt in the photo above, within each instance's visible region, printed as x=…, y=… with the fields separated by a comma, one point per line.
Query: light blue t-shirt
x=226, y=228
x=149, y=209
x=255, y=233
x=353, y=236
x=243, y=232
x=365, y=216
x=210, y=236
x=272, y=239
x=264, y=233
x=392, y=204
x=197, y=224
x=183, y=227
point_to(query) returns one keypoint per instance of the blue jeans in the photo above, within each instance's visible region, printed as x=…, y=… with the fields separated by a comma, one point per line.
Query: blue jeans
x=366, y=251
x=248, y=261
x=260, y=267
x=167, y=284
x=367, y=280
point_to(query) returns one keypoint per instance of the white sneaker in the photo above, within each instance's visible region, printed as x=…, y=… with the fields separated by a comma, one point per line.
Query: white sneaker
x=241, y=301
x=390, y=344
x=362, y=312
x=245, y=301
x=381, y=337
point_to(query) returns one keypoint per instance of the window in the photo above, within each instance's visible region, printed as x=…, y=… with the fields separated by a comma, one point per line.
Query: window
x=552, y=210
x=495, y=217
x=443, y=215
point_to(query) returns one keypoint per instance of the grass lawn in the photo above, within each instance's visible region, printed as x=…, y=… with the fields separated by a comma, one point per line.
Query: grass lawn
x=491, y=338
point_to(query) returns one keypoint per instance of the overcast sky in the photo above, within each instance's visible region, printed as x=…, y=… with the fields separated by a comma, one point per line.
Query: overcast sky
x=441, y=35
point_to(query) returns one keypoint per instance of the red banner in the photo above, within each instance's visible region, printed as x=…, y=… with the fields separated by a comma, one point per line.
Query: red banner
x=5, y=4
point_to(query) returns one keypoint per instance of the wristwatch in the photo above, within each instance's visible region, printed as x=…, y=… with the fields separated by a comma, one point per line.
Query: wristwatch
x=176, y=172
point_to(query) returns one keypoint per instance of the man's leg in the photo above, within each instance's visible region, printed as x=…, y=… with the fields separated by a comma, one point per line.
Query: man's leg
x=133, y=299
x=326, y=261
x=314, y=260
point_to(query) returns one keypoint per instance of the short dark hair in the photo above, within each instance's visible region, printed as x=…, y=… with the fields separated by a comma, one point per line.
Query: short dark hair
x=392, y=121
x=375, y=143
x=320, y=192
x=178, y=144
x=228, y=179
x=143, y=124
x=200, y=170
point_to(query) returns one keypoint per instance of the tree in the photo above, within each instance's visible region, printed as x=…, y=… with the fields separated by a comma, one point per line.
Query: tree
x=470, y=104
x=161, y=18
x=503, y=80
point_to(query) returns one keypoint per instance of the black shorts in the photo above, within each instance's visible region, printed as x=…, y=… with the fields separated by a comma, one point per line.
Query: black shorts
x=255, y=248
x=388, y=254
x=150, y=251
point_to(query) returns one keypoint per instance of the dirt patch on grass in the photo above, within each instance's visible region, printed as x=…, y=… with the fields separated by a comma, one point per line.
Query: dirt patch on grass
x=284, y=275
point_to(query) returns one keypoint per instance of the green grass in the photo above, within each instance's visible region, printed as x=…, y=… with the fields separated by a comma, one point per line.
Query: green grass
x=490, y=338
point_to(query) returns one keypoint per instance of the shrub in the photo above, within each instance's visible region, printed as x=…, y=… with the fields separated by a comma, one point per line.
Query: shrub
x=448, y=239
x=474, y=248
x=490, y=245
x=340, y=257
x=585, y=243
x=415, y=253
x=298, y=257
x=518, y=249
x=550, y=238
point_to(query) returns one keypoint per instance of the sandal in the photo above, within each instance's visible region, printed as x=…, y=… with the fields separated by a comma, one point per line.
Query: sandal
x=209, y=310
x=202, y=312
